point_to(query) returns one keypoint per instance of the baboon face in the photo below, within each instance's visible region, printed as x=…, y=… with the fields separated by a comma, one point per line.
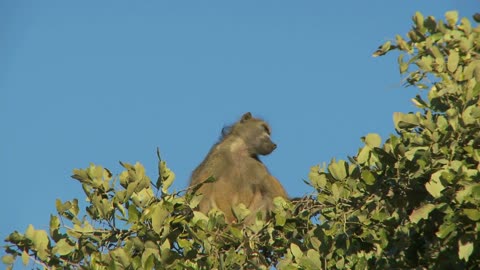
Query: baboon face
x=256, y=134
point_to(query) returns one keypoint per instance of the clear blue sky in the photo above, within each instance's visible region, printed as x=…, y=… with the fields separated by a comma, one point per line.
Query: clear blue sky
x=103, y=81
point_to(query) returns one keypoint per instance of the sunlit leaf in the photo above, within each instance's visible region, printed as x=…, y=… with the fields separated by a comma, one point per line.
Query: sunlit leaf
x=159, y=215
x=421, y=213
x=445, y=229
x=382, y=49
x=54, y=224
x=296, y=251
x=25, y=258
x=418, y=19
x=165, y=248
x=338, y=170
x=364, y=155
x=40, y=241
x=335, y=192
x=405, y=120
x=373, y=140
x=318, y=180
x=167, y=176
x=452, y=17
x=368, y=177
x=465, y=249
x=473, y=214
x=240, y=211
x=8, y=259
x=63, y=247
x=120, y=257
x=452, y=62
x=434, y=186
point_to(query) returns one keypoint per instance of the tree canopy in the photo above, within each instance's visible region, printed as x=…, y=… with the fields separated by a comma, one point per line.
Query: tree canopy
x=412, y=201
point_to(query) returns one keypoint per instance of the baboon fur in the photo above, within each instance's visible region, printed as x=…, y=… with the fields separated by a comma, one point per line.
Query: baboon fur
x=240, y=175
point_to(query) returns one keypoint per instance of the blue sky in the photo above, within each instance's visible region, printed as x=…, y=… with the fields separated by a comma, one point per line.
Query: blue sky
x=104, y=81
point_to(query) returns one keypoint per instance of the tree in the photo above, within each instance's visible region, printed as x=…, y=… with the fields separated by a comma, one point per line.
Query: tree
x=411, y=202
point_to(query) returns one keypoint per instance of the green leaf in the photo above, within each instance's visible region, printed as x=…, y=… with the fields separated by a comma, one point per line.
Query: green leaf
x=236, y=232
x=63, y=247
x=30, y=232
x=54, y=224
x=452, y=62
x=149, y=262
x=368, y=177
x=40, y=241
x=434, y=186
x=463, y=194
x=240, y=211
x=314, y=257
x=196, y=199
x=318, y=180
x=165, y=249
x=382, y=49
x=373, y=140
x=296, y=251
x=151, y=252
x=464, y=250
x=280, y=220
x=421, y=213
x=364, y=155
x=419, y=102
x=469, y=69
x=335, y=192
x=340, y=264
x=62, y=207
x=472, y=214
x=8, y=259
x=133, y=214
x=415, y=151
x=166, y=175
x=141, y=199
x=80, y=175
x=198, y=217
x=476, y=73
x=403, y=65
x=121, y=209
x=159, y=215
x=75, y=209
x=25, y=258
x=465, y=26
x=338, y=170
x=452, y=17
x=402, y=121
x=418, y=20
x=445, y=229
x=120, y=257
x=184, y=243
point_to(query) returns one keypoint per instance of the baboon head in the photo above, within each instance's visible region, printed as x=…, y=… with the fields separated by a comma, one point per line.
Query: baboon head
x=255, y=133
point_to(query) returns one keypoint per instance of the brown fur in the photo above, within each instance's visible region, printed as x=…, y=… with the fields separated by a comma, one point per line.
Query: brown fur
x=240, y=175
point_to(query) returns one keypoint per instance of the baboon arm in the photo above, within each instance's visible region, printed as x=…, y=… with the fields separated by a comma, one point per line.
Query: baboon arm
x=220, y=194
x=276, y=189
x=258, y=204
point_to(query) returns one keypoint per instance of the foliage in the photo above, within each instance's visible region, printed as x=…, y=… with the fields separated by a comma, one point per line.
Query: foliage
x=411, y=202
x=129, y=227
x=427, y=178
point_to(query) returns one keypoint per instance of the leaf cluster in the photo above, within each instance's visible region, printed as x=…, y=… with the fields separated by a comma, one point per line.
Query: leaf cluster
x=127, y=226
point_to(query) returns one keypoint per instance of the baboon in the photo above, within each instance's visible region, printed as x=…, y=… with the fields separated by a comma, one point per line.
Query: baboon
x=240, y=176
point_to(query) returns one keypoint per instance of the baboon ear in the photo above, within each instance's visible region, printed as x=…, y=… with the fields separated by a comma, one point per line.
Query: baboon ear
x=246, y=116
